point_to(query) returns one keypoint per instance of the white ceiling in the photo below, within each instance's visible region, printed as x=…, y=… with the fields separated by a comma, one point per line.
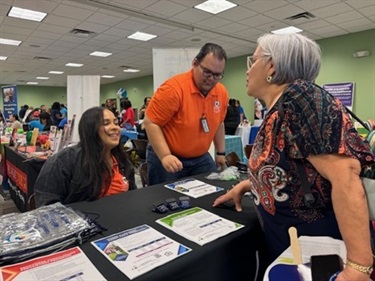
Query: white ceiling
x=176, y=23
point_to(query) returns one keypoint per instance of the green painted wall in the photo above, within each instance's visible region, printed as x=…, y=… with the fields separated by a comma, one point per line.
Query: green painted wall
x=338, y=66
x=36, y=96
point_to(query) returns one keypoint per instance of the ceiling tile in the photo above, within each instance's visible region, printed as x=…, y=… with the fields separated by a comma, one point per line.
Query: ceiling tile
x=175, y=22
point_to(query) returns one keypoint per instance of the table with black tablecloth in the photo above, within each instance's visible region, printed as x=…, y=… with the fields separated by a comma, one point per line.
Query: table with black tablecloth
x=20, y=173
x=232, y=257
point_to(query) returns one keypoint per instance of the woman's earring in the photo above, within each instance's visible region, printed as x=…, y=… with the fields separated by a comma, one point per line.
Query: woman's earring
x=269, y=78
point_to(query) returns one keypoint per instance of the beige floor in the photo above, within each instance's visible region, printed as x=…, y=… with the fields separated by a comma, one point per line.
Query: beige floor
x=7, y=205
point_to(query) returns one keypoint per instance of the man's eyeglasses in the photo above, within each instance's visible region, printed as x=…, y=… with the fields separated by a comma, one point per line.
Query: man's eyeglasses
x=252, y=59
x=208, y=73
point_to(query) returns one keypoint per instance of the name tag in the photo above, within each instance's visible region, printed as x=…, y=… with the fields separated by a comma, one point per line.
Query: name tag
x=205, y=126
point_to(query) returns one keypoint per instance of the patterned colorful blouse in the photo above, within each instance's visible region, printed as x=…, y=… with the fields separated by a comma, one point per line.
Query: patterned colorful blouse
x=305, y=121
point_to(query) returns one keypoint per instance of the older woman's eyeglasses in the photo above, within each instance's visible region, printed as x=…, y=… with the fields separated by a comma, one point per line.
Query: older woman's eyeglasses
x=208, y=73
x=252, y=59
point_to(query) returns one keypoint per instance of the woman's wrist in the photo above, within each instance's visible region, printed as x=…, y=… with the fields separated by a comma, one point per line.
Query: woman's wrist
x=366, y=269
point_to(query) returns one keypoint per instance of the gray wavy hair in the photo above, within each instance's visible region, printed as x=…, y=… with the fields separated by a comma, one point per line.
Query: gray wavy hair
x=295, y=56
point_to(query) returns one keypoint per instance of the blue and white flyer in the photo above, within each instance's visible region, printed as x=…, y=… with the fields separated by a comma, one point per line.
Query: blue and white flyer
x=138, y=250
x=199, y=225
x=194, y=188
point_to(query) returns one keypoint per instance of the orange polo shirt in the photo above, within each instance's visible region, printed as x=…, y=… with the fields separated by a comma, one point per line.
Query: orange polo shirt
x=178, y=106
x=118, y=184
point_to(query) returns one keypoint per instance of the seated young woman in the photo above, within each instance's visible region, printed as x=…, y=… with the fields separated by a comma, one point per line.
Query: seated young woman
x=42, y=121
x=95, y=167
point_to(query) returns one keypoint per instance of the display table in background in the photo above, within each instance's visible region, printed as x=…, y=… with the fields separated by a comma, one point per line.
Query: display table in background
x=21, y=173
x=244, y=133
x=127, y=134
x=4, y=141
x=234, y=143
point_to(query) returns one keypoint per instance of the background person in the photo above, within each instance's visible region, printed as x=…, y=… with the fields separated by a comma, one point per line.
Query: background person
x=34, y=114
x=231, y=120
x=128, y=119
x=35, y=122
x=15, y=121
x=45, y=120
x=258, y=109
x=22, y=112
x=184, y=116
x=111, y=105
x=56, y=113
x=306, y=125
x=142, y=110
x=43, y=108
x=26, y=115
x=62, y=123
x=95, y=167
x=241, y=112
x=63, y=111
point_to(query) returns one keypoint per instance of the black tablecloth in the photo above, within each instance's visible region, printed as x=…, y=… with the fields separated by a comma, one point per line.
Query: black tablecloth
x=21, y=173
x=232, y=257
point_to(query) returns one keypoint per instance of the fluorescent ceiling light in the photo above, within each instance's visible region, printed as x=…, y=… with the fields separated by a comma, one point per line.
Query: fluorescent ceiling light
x=215, y=6
x=74, y=64
x=107, y=76
x=142, y=36
x=42, y=78
x=100, y=54
x=26, y=14
x=287, y=30
x=56, y=72
x=131, y=70
x=10, y=42
x=3, y=58
x=32, y=83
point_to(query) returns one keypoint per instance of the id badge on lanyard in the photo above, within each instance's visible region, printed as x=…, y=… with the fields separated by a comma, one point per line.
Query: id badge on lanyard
x=204, y=124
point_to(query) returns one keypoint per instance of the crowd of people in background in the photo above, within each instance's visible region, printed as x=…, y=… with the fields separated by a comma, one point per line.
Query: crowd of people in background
x=127, y=115
x=39, y=117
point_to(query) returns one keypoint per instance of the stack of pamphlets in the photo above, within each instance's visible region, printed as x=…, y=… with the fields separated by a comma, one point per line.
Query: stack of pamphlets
x=46, y=229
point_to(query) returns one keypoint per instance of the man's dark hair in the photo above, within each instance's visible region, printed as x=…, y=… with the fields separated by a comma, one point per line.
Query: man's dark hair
x=215, y=49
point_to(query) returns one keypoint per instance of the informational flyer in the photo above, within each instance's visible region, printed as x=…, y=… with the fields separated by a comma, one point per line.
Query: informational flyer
x=199, y=225
x=194, y=188
x=71, y=264
x=138, y=250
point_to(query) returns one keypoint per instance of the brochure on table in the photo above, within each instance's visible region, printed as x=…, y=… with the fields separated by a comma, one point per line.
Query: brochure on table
x=310, y=246
x=71, y=264
x=138, y=250
x=199, y=225
x=194, y=188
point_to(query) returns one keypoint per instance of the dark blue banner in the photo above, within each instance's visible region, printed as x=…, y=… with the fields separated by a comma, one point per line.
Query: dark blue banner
x=343, y=91
x=9, y=100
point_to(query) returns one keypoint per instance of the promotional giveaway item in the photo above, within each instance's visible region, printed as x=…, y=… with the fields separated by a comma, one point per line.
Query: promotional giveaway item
x=42, y=230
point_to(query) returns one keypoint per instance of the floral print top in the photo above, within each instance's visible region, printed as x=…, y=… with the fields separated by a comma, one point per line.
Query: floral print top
x=305, y=121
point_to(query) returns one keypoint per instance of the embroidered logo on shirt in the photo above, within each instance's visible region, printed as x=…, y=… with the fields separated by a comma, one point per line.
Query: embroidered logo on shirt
x=216, y=106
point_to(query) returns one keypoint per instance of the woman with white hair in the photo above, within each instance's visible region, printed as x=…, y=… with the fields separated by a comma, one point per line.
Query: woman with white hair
x=305, y=127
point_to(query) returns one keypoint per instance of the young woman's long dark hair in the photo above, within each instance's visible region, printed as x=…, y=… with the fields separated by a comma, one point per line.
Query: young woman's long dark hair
x=48, y=121
x=94, y=166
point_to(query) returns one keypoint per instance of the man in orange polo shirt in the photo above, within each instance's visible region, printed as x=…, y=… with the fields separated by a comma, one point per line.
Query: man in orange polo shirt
x=184, y=116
